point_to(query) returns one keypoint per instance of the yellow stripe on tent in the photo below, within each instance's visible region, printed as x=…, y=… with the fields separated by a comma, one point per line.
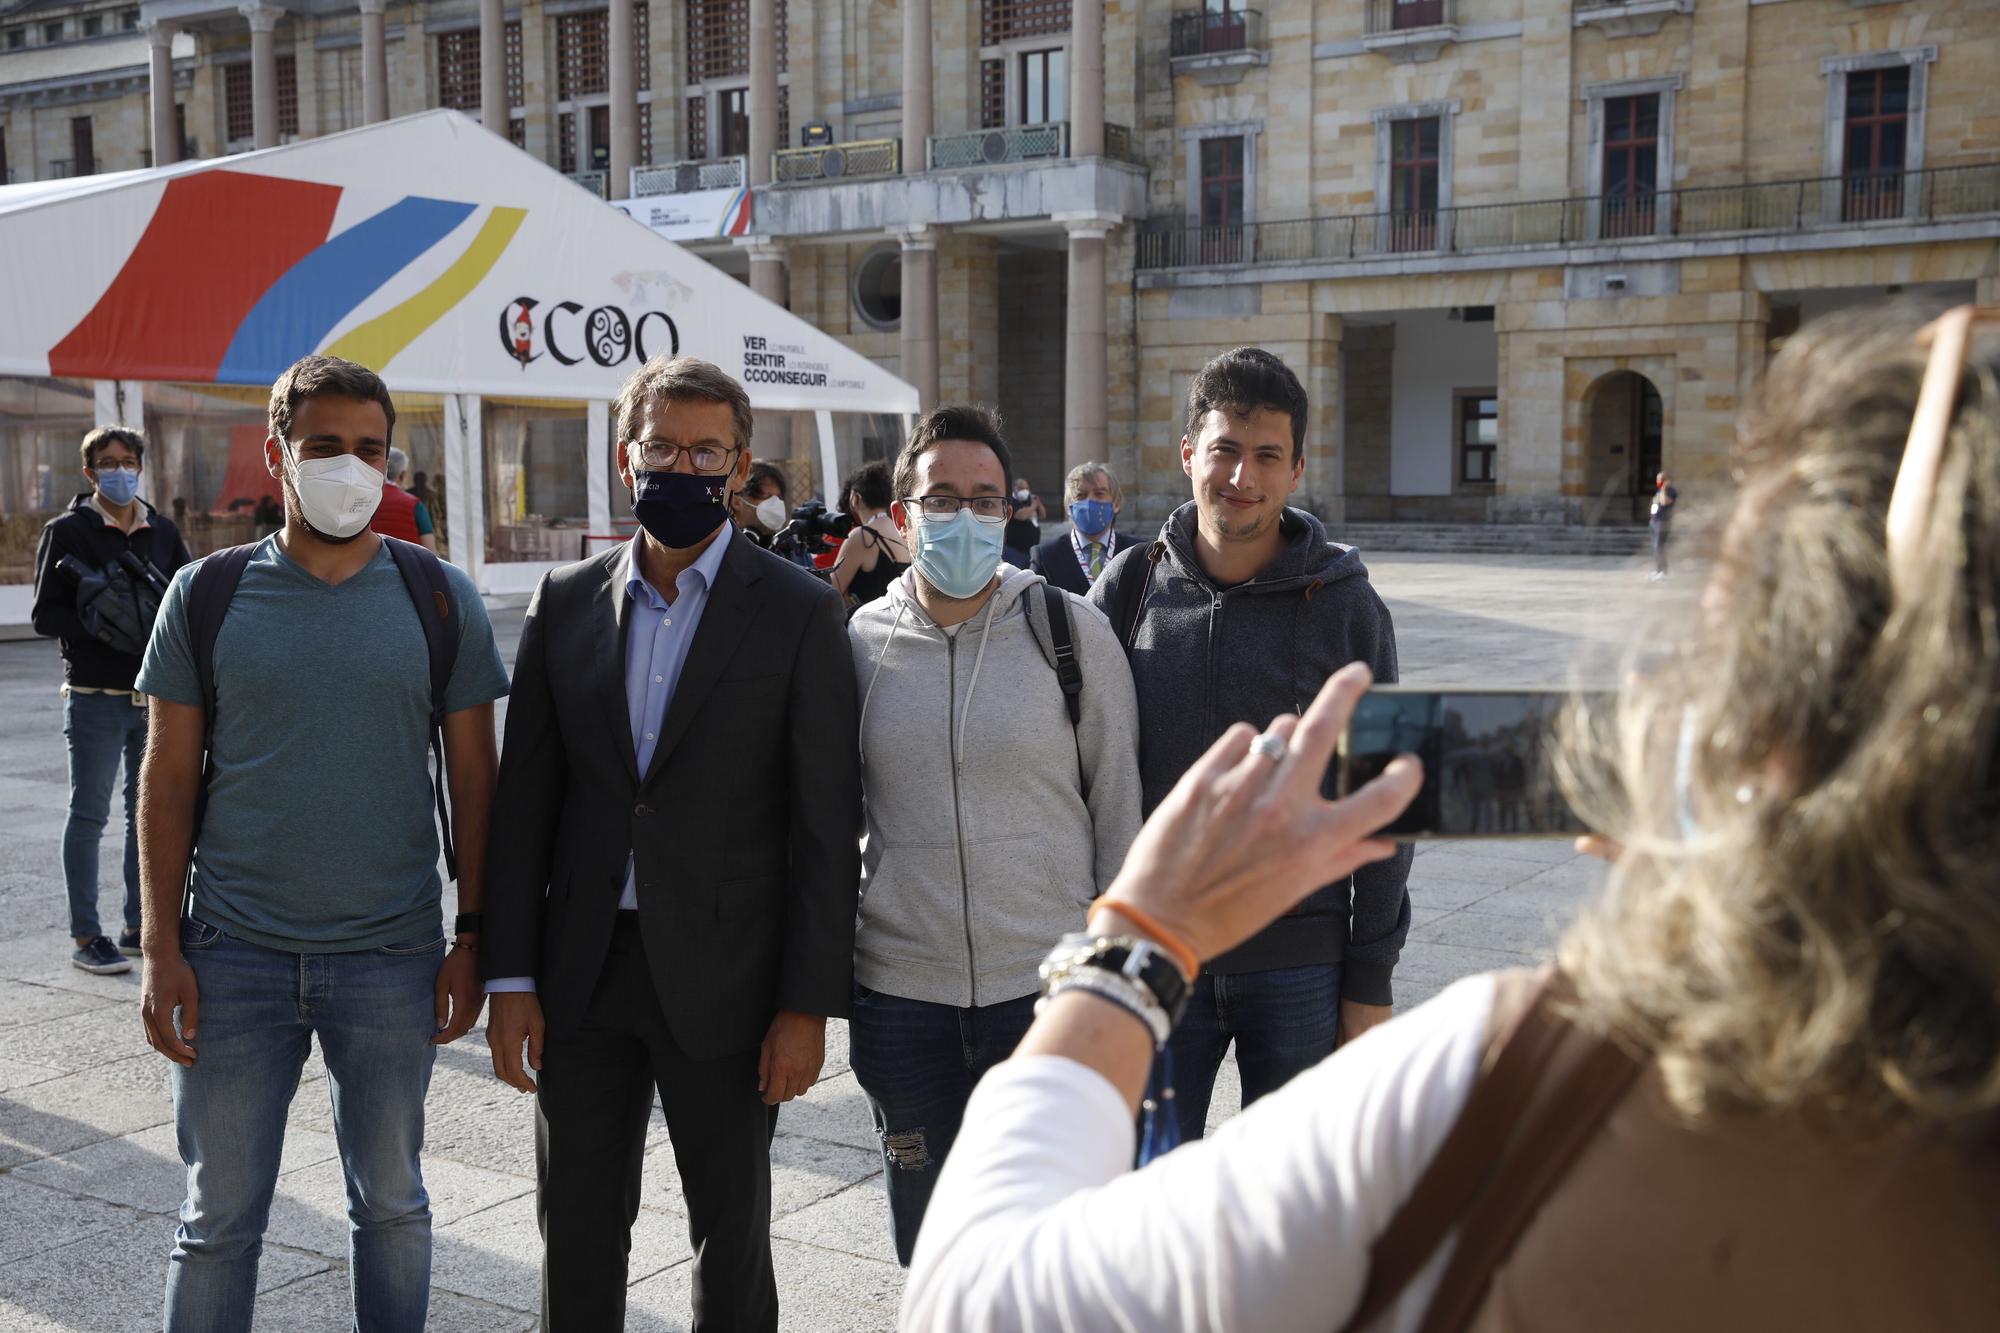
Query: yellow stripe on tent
x=378, y=342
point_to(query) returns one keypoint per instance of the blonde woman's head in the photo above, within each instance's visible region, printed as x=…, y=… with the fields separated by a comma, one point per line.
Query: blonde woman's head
x=1806, y=915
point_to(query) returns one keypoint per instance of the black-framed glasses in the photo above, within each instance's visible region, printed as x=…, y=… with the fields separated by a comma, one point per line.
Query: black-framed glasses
x=660, y=456
x=943, y=508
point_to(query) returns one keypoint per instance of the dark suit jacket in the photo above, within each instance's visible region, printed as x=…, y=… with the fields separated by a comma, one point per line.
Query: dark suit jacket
x=744, y=830
x=1055, y=560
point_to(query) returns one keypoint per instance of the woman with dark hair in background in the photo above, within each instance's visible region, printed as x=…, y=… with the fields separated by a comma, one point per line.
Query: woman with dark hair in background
x=1762, y=1089
x=873, y=556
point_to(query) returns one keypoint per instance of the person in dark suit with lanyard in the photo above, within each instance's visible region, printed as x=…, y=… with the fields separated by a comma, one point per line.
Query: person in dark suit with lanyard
x=675, y=862
x=1074, y=560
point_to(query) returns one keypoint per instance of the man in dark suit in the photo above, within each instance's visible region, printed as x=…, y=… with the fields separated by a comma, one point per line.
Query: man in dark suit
x=1074, y=560
x=674, y=862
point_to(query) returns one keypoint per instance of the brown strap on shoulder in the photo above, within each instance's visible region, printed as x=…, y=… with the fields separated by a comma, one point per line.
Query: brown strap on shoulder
x=1541, y=1093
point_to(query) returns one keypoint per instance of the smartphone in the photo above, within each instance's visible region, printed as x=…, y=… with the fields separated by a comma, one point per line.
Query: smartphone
x=1488, y=770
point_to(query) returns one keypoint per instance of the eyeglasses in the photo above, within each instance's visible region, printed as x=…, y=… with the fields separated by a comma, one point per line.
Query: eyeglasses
x=127, y=466
x=659, y=456
x=943, y=508
x=1950, y=338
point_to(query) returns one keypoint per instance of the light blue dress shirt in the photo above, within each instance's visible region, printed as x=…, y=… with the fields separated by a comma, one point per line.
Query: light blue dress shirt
x=657, y=637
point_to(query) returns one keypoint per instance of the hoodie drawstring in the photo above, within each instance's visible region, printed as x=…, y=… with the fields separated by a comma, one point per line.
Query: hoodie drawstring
x=875, y=675
x=985, y=637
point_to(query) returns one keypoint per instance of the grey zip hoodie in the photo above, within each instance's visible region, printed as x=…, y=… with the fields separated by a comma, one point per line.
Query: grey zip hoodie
x=1206, y=657
x=982, y=848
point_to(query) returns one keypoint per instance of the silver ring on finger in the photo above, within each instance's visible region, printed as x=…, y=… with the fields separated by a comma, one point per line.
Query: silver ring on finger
x=1271, y=746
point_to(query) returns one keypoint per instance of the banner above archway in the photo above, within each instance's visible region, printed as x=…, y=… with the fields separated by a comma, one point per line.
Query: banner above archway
x=425, y=248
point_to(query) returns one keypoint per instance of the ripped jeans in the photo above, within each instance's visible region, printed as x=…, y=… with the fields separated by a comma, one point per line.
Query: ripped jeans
x=918, y=1063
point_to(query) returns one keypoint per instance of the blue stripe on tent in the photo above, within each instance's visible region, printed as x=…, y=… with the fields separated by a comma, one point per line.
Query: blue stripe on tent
x=294, y=316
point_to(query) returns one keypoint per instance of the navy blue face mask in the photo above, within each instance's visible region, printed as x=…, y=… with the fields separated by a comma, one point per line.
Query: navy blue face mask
x=679, y=508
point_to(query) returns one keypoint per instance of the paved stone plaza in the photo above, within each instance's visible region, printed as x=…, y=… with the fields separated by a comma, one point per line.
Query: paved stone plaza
x=89, y=1176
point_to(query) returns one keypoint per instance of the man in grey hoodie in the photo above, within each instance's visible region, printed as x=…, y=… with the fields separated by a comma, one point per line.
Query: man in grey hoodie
x=1238, y=613
x=992, y=818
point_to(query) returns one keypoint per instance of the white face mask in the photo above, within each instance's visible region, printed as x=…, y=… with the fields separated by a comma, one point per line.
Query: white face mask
x=1022, y=496
x=771, y=512
x=338, y=495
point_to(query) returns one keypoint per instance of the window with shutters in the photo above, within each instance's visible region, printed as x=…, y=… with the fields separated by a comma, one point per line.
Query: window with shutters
x=718, y=39
x=288, y=96
x=697, y=128
x=458, y=69
x=992, y=94
x=238, y=111
x=566, y=142
x=1006, y=20
x=583, y=52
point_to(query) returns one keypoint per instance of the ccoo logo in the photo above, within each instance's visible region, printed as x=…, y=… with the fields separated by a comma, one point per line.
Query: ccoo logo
x=605, y=335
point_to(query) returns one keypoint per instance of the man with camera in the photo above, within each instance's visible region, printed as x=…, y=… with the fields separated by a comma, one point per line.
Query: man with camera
x=1239, y=613
x=674, y=864
x=999, y=745
x=112, y=545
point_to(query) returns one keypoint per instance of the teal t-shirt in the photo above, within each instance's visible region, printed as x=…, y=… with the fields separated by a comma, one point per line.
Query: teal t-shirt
x=321, y=829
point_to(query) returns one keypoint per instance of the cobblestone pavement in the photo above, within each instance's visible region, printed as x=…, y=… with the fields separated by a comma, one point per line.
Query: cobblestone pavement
x=89, y=1175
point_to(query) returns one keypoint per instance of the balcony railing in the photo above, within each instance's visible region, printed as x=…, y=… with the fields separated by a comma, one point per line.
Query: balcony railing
x=63, y=167
x=1387, y=16
x=863, y=157
x=721, y=173
x=1016, y=143
x=597, y=182
x=1205, y=32
x=1939, y=194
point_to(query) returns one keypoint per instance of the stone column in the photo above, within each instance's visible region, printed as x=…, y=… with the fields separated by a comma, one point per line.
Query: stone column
x=624, y=83
x=493, y=106
x=763, y=95
x=1086, y=97
x=768, y=277
x=263, y=73
x=920, y=304
x=374, y=64
x=1084, y=350
x=916, y=117
x=166, y=126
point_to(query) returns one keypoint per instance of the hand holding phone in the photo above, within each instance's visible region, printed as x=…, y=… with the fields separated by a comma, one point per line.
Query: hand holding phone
x=1487, y=754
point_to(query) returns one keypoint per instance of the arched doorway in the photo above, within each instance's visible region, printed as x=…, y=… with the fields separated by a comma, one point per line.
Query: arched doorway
x=1625, y=427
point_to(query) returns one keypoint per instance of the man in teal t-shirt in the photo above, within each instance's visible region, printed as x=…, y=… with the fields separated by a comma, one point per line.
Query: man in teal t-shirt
x=313, y=893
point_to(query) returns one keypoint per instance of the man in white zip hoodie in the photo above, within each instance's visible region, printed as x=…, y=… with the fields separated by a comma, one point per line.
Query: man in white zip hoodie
x=992, y=819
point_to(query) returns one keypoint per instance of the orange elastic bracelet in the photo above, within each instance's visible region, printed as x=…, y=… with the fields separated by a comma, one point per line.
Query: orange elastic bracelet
x=1176, y=948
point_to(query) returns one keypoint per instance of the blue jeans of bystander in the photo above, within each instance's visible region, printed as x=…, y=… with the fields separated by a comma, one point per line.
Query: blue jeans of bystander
x=374, y=1014
x=918, y=1062
x=101, y=729
x=1283, y=1021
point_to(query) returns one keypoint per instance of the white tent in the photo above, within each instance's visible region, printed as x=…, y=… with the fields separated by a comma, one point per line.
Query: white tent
x=425, y=248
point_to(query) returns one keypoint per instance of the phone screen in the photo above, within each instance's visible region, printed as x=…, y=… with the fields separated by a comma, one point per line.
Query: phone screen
x=1486, y=754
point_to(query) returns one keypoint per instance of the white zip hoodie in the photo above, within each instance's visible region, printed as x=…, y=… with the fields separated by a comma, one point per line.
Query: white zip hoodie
x=982, y=846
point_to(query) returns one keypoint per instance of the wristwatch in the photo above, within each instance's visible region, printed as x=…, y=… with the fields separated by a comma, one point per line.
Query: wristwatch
x=468, y=923
x=1137, y=960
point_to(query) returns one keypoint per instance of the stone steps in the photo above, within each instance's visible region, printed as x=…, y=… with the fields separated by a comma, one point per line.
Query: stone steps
x=1623, y=540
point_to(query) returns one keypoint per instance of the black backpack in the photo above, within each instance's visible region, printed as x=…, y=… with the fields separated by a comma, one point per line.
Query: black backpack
x=423, y=574
x=118, y=603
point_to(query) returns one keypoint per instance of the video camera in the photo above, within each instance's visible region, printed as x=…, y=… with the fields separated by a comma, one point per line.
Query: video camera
x=814, y=530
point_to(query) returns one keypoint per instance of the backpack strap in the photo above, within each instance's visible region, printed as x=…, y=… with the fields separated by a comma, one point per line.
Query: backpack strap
x=209, y=594
x=1052, y=620
x=1127, y=602
x=1541, y=1096
x=424, y=577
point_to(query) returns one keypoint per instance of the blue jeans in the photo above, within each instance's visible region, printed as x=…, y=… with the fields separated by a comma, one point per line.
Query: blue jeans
x=101, y=729
x=1283, y=1021
x=918, y=1063
x=374, y=1014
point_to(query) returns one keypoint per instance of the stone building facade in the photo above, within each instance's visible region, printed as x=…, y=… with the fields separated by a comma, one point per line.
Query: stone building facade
x=1522, y=252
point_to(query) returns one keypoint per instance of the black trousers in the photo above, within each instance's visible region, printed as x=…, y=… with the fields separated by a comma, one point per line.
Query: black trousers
x=590, y=1138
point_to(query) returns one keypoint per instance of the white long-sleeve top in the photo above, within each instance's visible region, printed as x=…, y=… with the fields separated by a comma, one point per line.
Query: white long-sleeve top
x=1039, y=1223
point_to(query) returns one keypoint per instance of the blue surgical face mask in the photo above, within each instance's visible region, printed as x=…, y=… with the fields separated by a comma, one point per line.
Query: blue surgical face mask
x=958, y=556
x=1091, y=518
x=117, y=485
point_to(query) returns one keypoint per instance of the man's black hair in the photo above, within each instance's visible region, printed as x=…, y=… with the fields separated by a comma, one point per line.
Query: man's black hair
x=1242, y=380
x=958, y=421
